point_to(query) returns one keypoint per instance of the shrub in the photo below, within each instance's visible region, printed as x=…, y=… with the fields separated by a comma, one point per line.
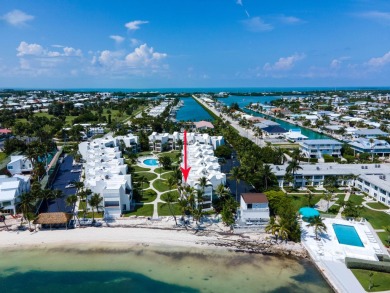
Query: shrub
x=378, y=266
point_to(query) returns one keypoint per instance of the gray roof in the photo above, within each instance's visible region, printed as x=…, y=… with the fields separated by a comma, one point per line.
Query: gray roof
x=375, y=131
x=321, y=141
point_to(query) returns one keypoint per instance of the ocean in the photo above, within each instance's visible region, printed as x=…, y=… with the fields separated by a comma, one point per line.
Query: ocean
x=146, y=269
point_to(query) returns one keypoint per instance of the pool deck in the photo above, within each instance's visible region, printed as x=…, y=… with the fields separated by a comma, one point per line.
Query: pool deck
x=329, y=255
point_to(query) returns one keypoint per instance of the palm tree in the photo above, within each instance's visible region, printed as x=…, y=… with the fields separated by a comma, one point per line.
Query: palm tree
x=95, y=201
x=221, y=191
x=26, y=205
x=71, y=202
x=57, y=194
x=46, y=195
x=328, y=196
x=283, y=233
x=2, y=217
x=292, y=167
x=169, y=200
x=235, y=174
x=142, y=180
x=267, y=175
x=318, y=224
x=372, y=149
x=273, y=228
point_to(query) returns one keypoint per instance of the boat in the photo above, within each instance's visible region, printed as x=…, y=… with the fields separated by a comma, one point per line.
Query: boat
x=70, y=185
x=75, y=171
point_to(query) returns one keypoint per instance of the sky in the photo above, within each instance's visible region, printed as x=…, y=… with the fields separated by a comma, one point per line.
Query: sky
x=194, y=43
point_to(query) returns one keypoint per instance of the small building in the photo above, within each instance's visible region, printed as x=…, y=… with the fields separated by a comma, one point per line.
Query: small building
x=377, y=147
x=316, y=148
x=203, y=125
x=254, y=209
x=370, y=133
x=53, y=220
x=19, y=165
x=295, y=135
x=274, y=130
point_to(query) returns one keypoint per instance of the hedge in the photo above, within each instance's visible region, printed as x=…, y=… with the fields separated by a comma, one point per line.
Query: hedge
x=378, y=266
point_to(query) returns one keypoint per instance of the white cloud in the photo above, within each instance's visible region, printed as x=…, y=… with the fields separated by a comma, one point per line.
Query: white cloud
x=29, y=49
x=284, y=63
x=256, y=24
x=336, y=63
x=290, y=19
x=135, y=25
x=144, y=56
x=117, y=39
x=383, y=17
x=134, y=42
x=379, y=61
x=17, y=17
x=26, y=49
x=239, y=2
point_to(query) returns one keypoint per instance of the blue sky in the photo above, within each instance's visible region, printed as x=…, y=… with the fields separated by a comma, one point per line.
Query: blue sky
x=194, y=43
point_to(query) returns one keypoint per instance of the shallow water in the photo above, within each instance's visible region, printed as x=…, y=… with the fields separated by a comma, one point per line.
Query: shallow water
x=146, y=269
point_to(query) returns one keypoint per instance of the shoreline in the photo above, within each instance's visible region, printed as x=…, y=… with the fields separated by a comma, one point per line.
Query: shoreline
x=120, y=238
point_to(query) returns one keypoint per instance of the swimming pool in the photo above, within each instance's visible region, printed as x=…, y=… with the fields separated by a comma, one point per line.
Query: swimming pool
x=151, y=162
x=347, y=235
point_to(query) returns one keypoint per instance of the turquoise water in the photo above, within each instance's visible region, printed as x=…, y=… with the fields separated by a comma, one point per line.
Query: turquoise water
x=244, y=101
x=151, y=162
x=192, y=111
x=145, y=269
x=347, y=235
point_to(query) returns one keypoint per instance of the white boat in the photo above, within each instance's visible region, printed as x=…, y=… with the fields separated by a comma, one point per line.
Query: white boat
x=75, y=171
x=70, y=186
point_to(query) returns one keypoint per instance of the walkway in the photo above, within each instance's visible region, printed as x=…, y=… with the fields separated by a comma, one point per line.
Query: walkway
x=159, y=193
x=346, y=198
x=243, y=132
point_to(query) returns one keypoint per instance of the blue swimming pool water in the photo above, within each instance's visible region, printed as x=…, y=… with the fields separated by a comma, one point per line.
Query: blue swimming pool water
x=347, y=235
x=151, y=162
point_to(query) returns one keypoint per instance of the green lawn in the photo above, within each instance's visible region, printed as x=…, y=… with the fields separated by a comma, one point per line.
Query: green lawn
x=140, y=169
x=384, y=236
x=302, y=200
x=89, y=215
x=166, y=175
x=148, y=153
x=149, y=195
x=163, y=209
x=356, y=199
x=2, y=156
x=172, y=155
x=141, y=210
x=377, y=219
x=377, y=205
x=380, y=280
x=175, y=193
x=148, y=175
x=160, y=185
x=161, y=170
x=82, y=205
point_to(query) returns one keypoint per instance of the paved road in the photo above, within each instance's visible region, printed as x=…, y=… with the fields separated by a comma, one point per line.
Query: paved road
x=243, y=132
x=63, y=178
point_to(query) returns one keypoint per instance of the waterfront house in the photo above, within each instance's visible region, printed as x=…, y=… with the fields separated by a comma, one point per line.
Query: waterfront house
x=253, y=209
x=19, y=165
x=10, y=190
x=373, y=179
x=370, y=133
x=316, y=148
x=377, y=147
x=295, y=135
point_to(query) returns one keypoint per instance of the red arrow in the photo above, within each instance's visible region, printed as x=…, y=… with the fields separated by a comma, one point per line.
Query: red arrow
x=185, y=170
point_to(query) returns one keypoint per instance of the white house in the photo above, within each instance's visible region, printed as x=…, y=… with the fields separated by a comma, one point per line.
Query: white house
x=316, y=148
x=19, y=165
x=253, y=209
x=106, y=174
x=295, y=135
x=10, y=189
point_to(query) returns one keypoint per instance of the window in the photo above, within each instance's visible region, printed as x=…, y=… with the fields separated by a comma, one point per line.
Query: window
x=249, y=206
x=10, y=167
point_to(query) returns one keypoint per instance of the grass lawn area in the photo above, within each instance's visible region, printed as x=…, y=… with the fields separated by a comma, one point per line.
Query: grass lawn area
x=148, y=153
x=160, y=185
x=82, y=205
x=340, y=199
x=140, y=169
x=302, y=200
x=2, y=156
x=89, y=215
x=381, y=280
x=148, y=175
x=175, y=193
x=141, y=210
x=286, y=145
x=377, y=219
x=356, y=199
x=161, y=170
x=149, y=195
x=163, y=209
x=377, y=205
x=166, y=175
x=384, y=236
x=172, y=155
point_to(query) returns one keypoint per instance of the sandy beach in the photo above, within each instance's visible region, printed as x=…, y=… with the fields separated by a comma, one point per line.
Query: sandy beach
x=142, y=232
